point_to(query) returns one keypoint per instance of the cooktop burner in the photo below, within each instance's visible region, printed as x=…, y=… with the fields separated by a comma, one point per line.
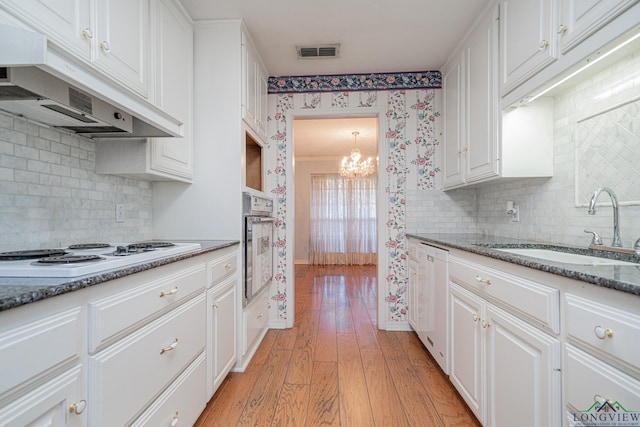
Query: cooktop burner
x=89, y=246
x=87, y=258
x=31, y=254
x=69, y=259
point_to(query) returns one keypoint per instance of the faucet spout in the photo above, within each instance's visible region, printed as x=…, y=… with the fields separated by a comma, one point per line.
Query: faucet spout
x=616, y=215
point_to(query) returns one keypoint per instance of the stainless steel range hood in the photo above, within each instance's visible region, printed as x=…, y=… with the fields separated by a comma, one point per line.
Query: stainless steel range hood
x=32, y=93
x=29, y=89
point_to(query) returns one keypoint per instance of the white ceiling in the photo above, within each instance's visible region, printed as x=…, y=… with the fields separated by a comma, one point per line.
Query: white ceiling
x=375, y=35
x=333, y=138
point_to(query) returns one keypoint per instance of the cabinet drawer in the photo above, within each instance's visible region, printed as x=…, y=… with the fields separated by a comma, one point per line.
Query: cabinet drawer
x=588, y=379
x=605, y=329
x=539, y=303
x=255, y=321
x=38, y=347
x=219, y=269
x=183, y=401
x=110, y=318
x=126, y=376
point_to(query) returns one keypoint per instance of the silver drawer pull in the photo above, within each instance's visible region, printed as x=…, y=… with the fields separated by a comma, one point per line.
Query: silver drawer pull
x=602, y=333
x=481, y=280
x=173, y=346
x=475, y=318
x=485, y=324
x=174, y=420
x=174, y=290
x=260, y=316
x=227, y=266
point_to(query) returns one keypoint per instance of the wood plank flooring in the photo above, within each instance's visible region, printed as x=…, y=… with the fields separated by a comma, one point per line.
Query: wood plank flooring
x=335, y=368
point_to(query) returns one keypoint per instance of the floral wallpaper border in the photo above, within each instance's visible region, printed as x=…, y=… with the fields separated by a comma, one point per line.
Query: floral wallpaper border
x=356, y=82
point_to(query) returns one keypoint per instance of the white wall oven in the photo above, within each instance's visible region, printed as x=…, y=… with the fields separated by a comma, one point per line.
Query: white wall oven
x=258, y=244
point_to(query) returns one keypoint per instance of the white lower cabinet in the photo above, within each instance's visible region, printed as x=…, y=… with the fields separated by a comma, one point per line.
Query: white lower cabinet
x=182, y=403
x=58, y=402
x=255, y=320
x=43, y=379
x=222, y=302
x=125, y=377
x=506, y=370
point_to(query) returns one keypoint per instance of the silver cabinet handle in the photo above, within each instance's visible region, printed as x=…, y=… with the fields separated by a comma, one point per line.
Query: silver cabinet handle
x=173, y=291
x=172, y=347
x=544, y=44
x=475, y=318
x=227, y=266
x=106, y=47
x=481, y=280
x=485, y=324
x=602, y=333
x=87, y=33
x=562, y=29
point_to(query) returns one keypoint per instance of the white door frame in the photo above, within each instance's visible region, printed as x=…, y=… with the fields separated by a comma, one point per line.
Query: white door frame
x=382, y=202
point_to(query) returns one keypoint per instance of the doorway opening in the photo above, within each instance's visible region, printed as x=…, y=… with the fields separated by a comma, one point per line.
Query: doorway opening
x=319, y=145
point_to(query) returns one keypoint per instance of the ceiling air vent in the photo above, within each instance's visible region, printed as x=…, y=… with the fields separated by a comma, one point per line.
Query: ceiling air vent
x=323, y=51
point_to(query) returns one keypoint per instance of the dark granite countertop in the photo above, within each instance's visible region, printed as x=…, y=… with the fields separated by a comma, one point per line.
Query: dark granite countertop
x=17, y=291
x=625, y=278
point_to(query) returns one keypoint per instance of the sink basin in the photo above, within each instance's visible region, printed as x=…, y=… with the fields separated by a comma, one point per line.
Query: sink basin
x=564, y=257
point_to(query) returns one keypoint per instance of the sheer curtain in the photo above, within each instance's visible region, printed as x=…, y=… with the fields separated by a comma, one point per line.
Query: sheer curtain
x=342, y=224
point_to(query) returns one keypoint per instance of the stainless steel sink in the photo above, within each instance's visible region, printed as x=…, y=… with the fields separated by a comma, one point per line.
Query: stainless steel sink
x=564, y=257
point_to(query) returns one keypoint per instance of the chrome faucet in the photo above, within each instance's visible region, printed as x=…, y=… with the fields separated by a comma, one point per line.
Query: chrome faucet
x=616, y=242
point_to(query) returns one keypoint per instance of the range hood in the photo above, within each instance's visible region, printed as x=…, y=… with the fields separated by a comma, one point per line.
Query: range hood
x=34, y=94
x=31, y=86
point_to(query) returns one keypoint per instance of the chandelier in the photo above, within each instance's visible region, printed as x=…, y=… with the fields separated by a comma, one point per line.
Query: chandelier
x=351, y=166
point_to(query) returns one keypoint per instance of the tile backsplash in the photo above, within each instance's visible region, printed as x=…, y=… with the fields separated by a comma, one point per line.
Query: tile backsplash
x=50, y=195
x=548, y=210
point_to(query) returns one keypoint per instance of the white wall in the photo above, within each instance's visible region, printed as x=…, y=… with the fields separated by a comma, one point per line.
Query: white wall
x=50, y=195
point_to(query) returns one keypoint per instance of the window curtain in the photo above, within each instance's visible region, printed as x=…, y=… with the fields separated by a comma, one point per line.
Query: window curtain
x=342, y=224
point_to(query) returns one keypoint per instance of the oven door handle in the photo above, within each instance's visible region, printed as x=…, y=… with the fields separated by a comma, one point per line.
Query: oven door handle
x=258, y=219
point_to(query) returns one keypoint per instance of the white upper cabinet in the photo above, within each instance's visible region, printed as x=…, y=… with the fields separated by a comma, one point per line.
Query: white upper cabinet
x=111, y=35
x=161, y=159
x=67, y=23
x=480, y=143
x=581, y=18
x=471, y=108
x=527, y=39
x=254, y=88
x=174, y=89
x=121, y=41
x=542, y=41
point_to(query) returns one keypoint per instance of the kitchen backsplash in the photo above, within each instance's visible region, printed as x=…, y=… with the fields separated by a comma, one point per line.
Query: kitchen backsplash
x=50, y=195
x=548, y=210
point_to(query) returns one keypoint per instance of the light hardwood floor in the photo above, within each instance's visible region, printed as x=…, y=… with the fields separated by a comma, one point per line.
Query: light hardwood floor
x=334, y=367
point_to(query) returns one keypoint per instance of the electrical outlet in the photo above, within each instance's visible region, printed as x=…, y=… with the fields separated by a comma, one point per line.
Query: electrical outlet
x=119, y=212
x=516, y=215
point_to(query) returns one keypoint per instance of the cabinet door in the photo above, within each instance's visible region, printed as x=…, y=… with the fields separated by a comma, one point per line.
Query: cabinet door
x=523, y=372
x=452, y=107
x=581, y=18
x=249, y=69
x=174, y=87
x=527, y=34
x=262, y=89
x=436, y=328
x=481, y=104
x=467, y=349
x=65, y=22
x=122, y=40
x=223, y=333
x=58, y=402
x=413, y=306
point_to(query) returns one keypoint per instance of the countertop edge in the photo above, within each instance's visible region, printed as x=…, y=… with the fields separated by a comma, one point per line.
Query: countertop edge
x=23, y=292
x=593, y=278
